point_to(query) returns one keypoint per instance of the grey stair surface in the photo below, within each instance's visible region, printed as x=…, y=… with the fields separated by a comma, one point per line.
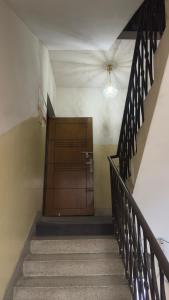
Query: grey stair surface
x=77, y=220
x=73, y=245
x=66, y=281
x=74, y=268
x=73, y=293
x=94, y=225
x=82, y=266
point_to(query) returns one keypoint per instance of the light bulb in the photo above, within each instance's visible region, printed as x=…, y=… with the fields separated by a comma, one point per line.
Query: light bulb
x=110, y=91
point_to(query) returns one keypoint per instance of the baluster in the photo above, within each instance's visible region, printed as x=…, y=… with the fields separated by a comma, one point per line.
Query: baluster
x=162, y=286
x=145, y=270
x=154, y=277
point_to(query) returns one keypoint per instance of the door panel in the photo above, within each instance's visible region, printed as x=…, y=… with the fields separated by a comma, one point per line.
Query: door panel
x=69, y=167
x=65, y=178
x=63, y=155
x=66, y=198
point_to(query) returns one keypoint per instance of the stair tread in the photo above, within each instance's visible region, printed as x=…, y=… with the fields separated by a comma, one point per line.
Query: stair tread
x=73, y=256
x=72, y=267
x=73, y=245
x=63, y=281
x=73, y=293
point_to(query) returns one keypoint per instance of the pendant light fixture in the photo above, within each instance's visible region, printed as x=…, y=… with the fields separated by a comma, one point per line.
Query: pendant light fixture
x=109, y=91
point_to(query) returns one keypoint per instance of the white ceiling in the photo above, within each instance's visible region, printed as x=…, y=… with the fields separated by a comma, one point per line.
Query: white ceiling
x=87, y=69
x=76, y=24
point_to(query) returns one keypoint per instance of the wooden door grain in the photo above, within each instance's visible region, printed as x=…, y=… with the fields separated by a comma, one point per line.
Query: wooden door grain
x=69, y=167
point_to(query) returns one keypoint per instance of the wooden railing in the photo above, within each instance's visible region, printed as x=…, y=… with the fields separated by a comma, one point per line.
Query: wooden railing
x=146, y=267
x=151, y=27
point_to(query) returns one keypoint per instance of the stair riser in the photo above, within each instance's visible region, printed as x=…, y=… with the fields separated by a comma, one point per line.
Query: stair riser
x=74, y=293
x=73, y=246
x=49, y=229
x=72, y=268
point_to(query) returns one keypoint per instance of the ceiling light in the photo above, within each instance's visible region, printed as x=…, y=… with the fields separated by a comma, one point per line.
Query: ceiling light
x=109, y=91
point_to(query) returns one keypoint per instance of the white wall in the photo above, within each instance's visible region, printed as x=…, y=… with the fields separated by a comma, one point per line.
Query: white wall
x=24, y=68
x=76, y=24
x=152, y=185
x=90, y=102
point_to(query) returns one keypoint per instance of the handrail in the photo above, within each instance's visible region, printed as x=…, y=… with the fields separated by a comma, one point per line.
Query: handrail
x=142, y=256
x=151, y=26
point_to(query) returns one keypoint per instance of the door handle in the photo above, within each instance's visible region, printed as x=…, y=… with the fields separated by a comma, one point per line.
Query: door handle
x=87, y=154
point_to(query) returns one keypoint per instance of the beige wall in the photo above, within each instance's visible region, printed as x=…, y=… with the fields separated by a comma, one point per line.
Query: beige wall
x=24, y=69
x=21, y=181
x=102, y=195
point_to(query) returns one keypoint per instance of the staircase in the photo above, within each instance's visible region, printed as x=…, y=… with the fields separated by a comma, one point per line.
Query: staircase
x=74, y=268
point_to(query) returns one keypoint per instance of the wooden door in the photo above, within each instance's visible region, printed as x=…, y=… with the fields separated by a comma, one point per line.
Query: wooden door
x=69, y=167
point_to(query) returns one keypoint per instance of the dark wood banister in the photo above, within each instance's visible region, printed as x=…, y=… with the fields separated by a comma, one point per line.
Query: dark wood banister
x=147, y=231
x=151, y=25
x=146, y=266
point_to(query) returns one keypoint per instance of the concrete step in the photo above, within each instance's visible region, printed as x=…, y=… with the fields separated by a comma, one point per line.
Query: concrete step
x=73, y=245
x=65, y=281
x=117, y=292
x=94, y=225
x=73, y=265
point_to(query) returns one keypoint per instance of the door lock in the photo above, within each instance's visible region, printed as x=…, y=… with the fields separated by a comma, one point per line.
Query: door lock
x=90, y=164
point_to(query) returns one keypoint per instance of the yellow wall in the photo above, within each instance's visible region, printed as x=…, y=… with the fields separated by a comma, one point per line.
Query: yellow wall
x=102, y=195
x=21, y=181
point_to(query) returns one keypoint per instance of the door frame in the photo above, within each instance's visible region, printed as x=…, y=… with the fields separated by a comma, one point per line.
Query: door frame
x=50, y=110
x=50, y=114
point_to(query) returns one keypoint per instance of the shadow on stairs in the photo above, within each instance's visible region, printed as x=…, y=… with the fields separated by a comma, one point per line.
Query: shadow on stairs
x=75, y=226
